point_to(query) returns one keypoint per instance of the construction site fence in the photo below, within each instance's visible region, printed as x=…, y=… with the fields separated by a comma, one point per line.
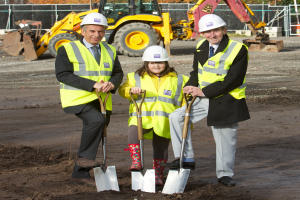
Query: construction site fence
x=284, y=18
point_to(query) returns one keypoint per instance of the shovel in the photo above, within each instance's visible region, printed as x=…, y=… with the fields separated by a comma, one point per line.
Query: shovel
x=144, y=183
x=105, y=179
x=176, y=180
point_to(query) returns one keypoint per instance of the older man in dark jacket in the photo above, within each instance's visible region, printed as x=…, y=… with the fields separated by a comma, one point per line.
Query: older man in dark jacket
x=218, y=79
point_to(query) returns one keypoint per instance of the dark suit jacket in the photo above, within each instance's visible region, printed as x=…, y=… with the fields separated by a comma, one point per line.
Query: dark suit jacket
x=65, y=74
x=223, y=110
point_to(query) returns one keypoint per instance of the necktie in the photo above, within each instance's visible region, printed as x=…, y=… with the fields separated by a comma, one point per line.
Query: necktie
x=211, y=51
x=96, y=53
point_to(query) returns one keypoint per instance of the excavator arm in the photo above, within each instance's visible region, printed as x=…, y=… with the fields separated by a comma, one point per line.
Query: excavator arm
x=240, y=10
x=238, y=7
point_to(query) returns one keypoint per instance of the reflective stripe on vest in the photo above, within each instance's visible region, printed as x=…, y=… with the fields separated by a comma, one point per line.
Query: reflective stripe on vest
x=82, y=70
x=160, y=98
x=157, y=104
x=244, y=85
x=84, y=66
x=221, y=69
x=151, y=114
x=216, y=68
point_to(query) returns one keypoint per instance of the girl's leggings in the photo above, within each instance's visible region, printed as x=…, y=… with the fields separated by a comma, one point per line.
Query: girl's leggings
x=160, y=145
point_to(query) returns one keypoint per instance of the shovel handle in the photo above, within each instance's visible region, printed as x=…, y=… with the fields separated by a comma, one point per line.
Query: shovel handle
x=103, y=102
x=139, y=113
x=187, y=114
x=186, y=123
x=103, y=111
x=103, y=108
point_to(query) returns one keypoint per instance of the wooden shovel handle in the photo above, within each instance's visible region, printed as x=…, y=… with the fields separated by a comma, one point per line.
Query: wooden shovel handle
x=103, y=108
x=187, y=114
x=139, y=113
x=103, y=103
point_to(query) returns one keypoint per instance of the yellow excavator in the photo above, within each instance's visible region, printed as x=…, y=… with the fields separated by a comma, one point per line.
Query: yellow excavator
x=133, y=26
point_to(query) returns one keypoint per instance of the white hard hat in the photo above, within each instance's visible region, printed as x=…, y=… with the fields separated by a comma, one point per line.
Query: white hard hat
x=209, y=22
x=94, y=18
x=155, y=53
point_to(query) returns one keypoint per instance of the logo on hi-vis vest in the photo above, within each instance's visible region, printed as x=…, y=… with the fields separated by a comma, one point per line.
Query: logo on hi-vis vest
x=168, y=92
x=106, y=65
x=212, y=63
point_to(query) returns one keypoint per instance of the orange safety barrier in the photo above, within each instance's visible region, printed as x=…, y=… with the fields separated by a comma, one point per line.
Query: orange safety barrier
x=298, y=30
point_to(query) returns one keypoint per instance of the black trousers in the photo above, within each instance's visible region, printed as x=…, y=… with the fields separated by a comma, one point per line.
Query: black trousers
x=93, y=123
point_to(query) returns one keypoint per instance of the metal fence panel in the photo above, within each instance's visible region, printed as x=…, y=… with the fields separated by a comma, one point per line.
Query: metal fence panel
x=294, y=20
x=49, y=14
x=4, y=15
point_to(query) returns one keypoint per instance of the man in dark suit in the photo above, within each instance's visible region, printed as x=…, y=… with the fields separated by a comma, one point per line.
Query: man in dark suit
x=83, y=68
x=218, y=80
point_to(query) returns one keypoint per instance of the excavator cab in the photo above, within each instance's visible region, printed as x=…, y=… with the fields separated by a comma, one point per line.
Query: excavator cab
x=115, y=11
x=134, y=25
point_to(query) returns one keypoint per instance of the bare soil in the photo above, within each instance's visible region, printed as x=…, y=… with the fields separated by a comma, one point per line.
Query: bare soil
x=38, y=141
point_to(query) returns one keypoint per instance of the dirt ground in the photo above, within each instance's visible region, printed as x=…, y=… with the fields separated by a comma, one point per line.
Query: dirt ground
x=38, y=141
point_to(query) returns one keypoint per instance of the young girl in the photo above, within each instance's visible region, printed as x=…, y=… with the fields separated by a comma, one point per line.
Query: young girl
x=163, y=95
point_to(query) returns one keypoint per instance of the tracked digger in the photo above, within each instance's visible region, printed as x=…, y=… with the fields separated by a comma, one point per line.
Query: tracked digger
x=133, y=26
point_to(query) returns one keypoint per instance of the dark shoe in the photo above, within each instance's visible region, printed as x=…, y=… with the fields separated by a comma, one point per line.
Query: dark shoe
x=186, y=165
x=80, y=172
x=227, y=181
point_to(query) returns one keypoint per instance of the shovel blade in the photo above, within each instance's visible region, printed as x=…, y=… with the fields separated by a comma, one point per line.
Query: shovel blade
x=176, y=181
x=106, y=180
x=144, y=183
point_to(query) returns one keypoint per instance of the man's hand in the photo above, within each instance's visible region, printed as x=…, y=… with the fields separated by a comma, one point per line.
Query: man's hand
x=188, y=89
x=194, y=91
x=136, y=90
x=98, y=86
x=107, y=86
x=103, y=86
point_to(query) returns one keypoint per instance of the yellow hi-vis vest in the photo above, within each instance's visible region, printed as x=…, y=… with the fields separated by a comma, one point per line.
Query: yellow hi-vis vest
x=158, y=104
x=216, y=68
x=85, y=66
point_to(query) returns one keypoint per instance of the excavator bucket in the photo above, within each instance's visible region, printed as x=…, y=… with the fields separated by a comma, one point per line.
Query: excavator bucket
x=15, y=44
x=29, y=50
x=269, y=46
x=12, y=43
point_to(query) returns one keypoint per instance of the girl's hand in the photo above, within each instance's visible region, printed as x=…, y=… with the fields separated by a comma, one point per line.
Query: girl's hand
x=136, y=90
